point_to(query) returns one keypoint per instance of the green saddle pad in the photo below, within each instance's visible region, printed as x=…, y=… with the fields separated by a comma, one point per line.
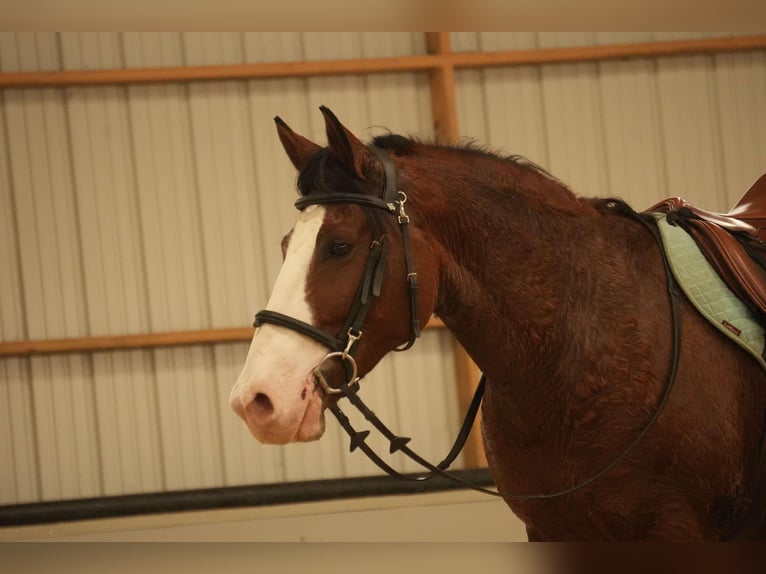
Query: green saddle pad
x=707, y=291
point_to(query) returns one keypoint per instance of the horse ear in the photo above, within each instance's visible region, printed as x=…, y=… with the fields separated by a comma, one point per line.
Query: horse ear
x=299, y=149
x=345, y=146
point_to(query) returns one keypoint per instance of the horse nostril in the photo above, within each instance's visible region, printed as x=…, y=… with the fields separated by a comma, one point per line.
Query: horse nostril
x=261, y=409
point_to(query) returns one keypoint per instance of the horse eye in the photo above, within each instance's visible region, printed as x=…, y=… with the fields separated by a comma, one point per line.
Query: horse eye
x=339, y=249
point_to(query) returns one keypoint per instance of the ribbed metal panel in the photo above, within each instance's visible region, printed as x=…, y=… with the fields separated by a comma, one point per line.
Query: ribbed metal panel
x=158, y=208
x=29, y=51
x=126, y=404
x=642, y=130
x=19, y=477
x=740, y=95
x=67, y=433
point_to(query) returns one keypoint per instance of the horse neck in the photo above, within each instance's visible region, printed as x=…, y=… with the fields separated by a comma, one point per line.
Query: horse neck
x=520, y=273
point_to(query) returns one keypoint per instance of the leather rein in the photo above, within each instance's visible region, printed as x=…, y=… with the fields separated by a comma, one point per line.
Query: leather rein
x=343, y=345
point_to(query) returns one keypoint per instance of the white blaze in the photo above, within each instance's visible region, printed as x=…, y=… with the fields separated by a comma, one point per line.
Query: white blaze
x=280, y=361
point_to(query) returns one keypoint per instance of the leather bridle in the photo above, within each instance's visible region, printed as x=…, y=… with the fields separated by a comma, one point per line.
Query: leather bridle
x=343, y=345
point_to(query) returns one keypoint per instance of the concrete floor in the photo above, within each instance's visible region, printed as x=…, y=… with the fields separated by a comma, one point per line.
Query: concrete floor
x=193, y=541
x=456, y=516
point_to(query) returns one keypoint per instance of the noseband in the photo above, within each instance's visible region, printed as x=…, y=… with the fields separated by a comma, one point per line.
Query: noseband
x=343, y=345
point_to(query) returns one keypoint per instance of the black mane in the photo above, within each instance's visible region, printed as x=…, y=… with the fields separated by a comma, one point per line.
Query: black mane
x=401, y=145
x=395, y=143
x=324, y=173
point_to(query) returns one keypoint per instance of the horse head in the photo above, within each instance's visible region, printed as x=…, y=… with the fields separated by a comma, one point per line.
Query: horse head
x=347, y=292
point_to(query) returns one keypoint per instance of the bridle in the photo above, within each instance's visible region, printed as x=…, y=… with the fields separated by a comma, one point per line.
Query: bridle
x=343, y=345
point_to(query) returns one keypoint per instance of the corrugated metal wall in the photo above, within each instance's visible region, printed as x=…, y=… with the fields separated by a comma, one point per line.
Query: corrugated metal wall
x=642, y=130
x=159, y=208
x=156, y=208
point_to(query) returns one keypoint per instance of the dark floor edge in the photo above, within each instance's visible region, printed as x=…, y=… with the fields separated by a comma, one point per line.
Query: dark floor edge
x=229, y=497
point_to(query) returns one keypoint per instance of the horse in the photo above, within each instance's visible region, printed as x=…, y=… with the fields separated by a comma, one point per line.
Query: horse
x=563, y=302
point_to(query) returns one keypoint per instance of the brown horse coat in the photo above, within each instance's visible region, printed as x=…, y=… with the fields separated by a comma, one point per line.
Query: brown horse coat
x=562, y=303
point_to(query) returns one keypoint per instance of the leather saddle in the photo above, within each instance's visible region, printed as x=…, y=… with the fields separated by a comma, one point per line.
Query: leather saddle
x=734, y=243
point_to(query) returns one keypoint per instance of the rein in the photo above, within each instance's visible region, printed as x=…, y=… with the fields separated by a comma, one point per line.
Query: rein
x=343, y=345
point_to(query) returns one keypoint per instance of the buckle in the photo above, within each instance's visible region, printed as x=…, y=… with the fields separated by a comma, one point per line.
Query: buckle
x=352, y=338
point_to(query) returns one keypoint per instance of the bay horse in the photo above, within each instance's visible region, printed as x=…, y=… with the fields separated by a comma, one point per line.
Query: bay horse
x=562, y=302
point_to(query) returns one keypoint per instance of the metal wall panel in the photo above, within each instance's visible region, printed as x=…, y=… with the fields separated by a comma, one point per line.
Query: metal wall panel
x=67, y=433
x=12, y=319
x=52, y=292
x=160, y=208
x=29, y=51
x=642, y=130
x=19, y=475
x=740, y=95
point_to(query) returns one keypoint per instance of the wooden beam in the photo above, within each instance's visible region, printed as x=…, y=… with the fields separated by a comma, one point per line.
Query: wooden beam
x=217, y=73
x=438, y=43
x=139, y=341
x=123, y=342
x=437, y=60
x=443, y=90
x=444, y=109
x=607, y=52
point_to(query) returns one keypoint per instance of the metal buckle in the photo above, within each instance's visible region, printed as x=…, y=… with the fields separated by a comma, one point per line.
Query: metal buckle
x=352, y=338
x=403, y=217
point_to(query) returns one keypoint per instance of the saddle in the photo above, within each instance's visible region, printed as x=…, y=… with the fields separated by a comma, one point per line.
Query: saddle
x=734, y=243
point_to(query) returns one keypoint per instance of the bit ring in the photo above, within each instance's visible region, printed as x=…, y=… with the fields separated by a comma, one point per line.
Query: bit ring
x=323, y=382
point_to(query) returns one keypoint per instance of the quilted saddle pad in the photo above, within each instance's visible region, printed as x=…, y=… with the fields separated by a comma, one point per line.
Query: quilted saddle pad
x=707, y=291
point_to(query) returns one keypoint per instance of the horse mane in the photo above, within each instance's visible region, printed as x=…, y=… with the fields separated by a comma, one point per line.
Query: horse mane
x=323, y=172
x=401, y=145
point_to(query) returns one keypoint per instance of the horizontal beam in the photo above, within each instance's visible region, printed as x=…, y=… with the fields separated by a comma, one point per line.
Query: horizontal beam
x=140, y=341
x=379, y=65
x=252, y=496
x=609, y=52
x=256, y=71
